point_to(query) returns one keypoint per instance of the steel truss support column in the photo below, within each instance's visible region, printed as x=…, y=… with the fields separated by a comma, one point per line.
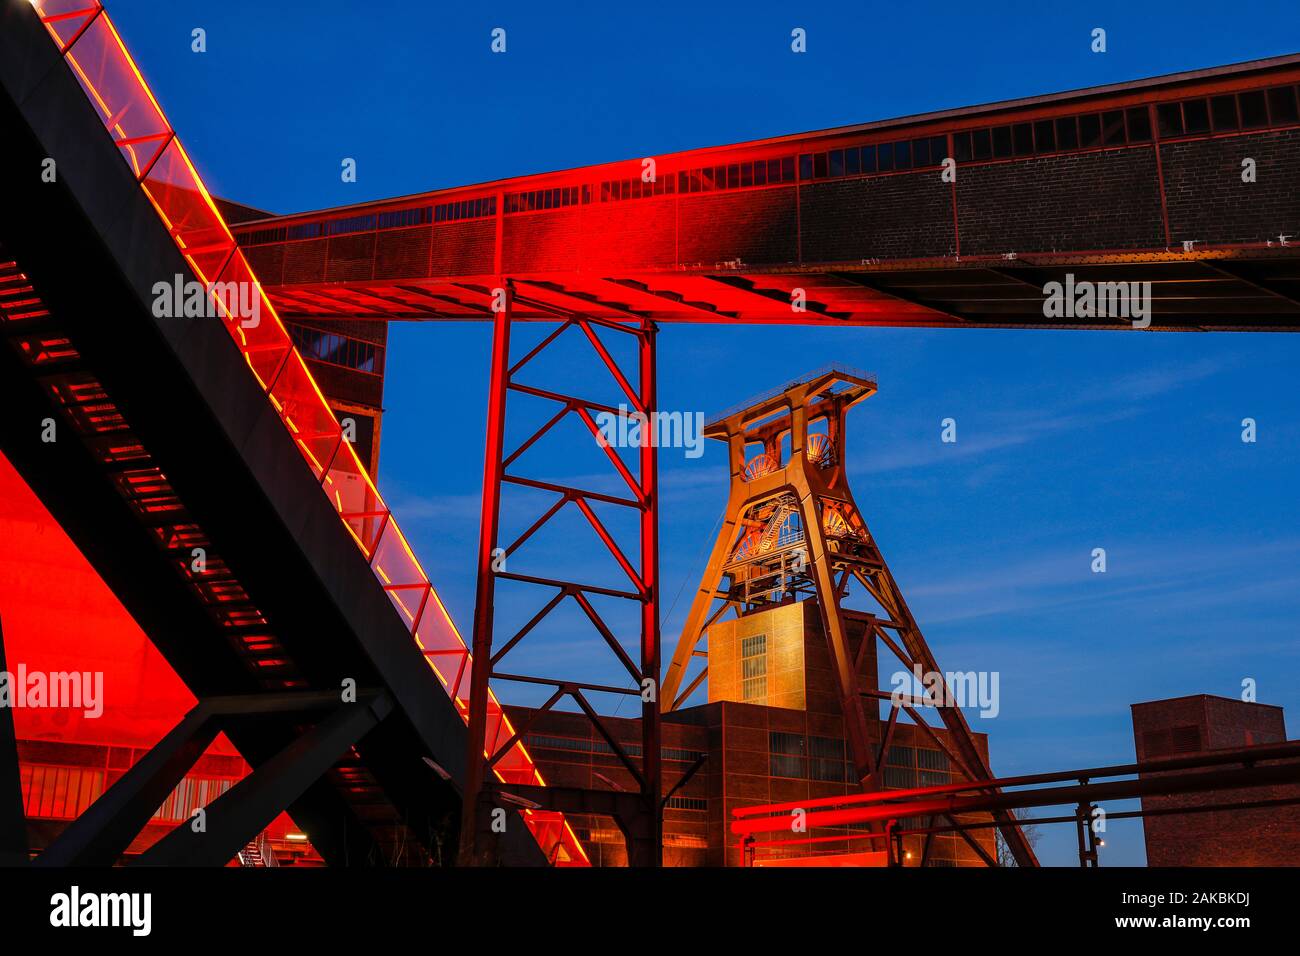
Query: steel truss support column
x=13, y=820
x=102, y=834
x=491, y=738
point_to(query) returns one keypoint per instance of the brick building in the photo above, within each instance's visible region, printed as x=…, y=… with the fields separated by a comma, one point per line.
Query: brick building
x=1184, y=726
x=771, y=732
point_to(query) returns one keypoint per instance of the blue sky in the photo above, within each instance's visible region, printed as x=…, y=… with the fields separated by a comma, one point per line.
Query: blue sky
x=1067, y=441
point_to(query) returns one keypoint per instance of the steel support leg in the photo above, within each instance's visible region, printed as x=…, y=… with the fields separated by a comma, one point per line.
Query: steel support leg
x=248, y=808
x=13, y=820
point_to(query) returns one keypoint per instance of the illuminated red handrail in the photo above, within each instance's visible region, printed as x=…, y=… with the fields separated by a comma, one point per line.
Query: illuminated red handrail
x=95, y=53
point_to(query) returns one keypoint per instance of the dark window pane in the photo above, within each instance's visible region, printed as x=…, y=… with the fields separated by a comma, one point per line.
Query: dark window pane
x=920, y=153
x=1044, y=137
x=1281, y=105
x=1089, y=130
x=837, y=162
x=902, y=155
x=1067, y=133
x=747, y=174
x=1196, y=116
x=938, y=149
x=787, y=170
x=983, y=143
x=1022, y=136
x=1112, y=128
x=868, y=159
x=1224, y=111
x=1139, y=125
x=961, y=147
x=1169, y=116
x=719, y=177
x=760, y=173
x=733, y=175
x=819, y=166
x=885, y=157
x=1002, y=141
x=1253, y=112
x=852, y=161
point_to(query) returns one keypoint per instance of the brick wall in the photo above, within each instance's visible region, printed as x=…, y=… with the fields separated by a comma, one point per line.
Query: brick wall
x=1256, y=837
x=1082, y=201
x=1208, y=201
x=908, y=215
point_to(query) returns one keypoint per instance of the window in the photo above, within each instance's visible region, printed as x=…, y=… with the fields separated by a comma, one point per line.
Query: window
x=1253, y=111
x=334, y=349
x=465, y=209
x=1089, y=131
x=1022, y=135
x=1196, y=116
x=1112, y=128
x=686, y=803
x=1067, y=133
x=1224, y=111
x=1139, y=124
x=753, y=668
x=786, y=757
x=338, y=227
x=1001, y=142
x=1282, y=105
x=826, y=760
x=1169, y=117
x=928, y=759
x=1045, y=136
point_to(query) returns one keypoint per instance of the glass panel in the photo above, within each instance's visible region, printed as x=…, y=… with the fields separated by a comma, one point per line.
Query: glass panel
x=64, y=18
x=1044, y=136
x=1112, y=128
x=261, y=338
x=1169, y=117
x=189, y=213
x=1223, y=109
x=1139, y=124
x=306, y=414
x=1089, y=130
x=1022, y=135
x=983, y=142
x=1253, y=112
x=109, y=77
x=355, y=498
x=1002, y=141
x=395, y=563
x=443, y=648
x=885, y=157
x=868, y=159
x=1281, y=105
x=1196, y=116
x=961, y=147
x=1067, y=133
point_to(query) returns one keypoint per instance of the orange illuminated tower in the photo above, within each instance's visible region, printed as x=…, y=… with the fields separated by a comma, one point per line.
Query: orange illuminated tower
x=792, y=529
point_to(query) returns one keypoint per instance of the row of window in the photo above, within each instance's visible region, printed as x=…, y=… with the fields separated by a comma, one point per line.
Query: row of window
x=687, y=803
x=1253, y=109
x=335, y=349
x=575, y=745
x=547, y=198
x=876, y=158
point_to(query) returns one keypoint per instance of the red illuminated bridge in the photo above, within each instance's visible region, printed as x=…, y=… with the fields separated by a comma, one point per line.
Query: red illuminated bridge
x=1138, y=181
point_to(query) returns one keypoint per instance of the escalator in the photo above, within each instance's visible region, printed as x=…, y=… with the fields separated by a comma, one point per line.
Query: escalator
x=194, y=461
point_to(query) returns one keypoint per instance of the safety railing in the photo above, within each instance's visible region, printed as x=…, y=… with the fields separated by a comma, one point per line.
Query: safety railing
x=95, y=53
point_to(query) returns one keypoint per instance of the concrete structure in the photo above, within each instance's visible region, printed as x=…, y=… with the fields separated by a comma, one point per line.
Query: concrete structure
x=1242, y=833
